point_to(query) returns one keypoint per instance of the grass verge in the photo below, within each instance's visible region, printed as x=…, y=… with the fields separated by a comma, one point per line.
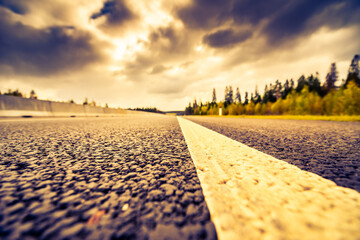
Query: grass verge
x=296, y=117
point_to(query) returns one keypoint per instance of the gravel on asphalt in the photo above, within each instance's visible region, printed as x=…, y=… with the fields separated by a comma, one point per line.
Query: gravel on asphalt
x=329, y=149
x=130, y=177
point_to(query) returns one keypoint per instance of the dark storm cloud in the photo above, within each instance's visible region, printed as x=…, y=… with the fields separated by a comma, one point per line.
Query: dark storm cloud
x=115, y=11
x=226, y=38
x=338, y=15
x=295, y=19
x=15, y=6
x=283, y=19
x=28, y=50
x=249, y=11
x=205, y=14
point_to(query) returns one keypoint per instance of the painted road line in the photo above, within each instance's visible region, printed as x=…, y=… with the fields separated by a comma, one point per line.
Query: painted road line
x=252, y=195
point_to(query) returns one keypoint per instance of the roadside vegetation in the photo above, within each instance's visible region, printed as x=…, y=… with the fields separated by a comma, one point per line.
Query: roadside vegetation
x=308, y=97
x=343, y=118
x=17, y=93
x=146, y=109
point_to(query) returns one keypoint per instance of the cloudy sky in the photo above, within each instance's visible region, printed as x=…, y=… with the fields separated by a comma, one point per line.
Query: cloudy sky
x=164, y=53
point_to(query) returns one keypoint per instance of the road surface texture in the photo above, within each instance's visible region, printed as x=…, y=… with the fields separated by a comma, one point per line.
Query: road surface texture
x=329, y=149
x=99, y=178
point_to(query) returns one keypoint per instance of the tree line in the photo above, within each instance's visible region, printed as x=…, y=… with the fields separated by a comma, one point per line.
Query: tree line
x=305, y=97
x=146, y=109
x=17, y=93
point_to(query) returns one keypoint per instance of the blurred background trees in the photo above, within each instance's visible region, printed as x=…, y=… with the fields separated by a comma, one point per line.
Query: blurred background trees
x=308, y=97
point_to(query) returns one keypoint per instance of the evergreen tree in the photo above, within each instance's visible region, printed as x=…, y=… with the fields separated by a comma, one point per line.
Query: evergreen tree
x=271, y=93
x=246, y=100
x=86, y=102
x=265, y=98
x=189, y=110
x=330, y=80
x=33, y=94
x=16, y=93
x=353, y=74
x=226, y=94
x=301, y=82
x=277, y=89
x=292, y=84
x=286, y=89
x=257, y=97
x=195, y=105
x=237, y=96
x=214, y=96
x=314, y=84
x=231, y=95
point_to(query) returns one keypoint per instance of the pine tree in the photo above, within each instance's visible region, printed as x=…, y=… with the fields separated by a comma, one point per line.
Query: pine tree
x=292, y=84
x=265, y=98
x=330, y=80
x=33, y=94
x=16, y=93
x=286, y=89
x=354, y=66
x=314, y=83
x=189, y=110
x=277, y=90
x=246, y=100
x=257, y=97
x=354, y=70
x=301, y=82
x=237, y=96
x=226, y=94
x=195, y=105
x=231, y=95
x=271, y=94
x=214, y=96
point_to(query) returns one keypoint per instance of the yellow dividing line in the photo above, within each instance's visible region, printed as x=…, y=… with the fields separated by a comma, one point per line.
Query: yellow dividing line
x=252, y=195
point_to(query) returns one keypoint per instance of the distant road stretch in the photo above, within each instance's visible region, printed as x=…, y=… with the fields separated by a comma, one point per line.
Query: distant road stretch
x=329, y=149
x=130, y=177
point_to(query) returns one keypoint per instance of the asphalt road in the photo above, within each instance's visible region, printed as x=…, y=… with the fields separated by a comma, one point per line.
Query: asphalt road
x=329, y=149
x=130, y=177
